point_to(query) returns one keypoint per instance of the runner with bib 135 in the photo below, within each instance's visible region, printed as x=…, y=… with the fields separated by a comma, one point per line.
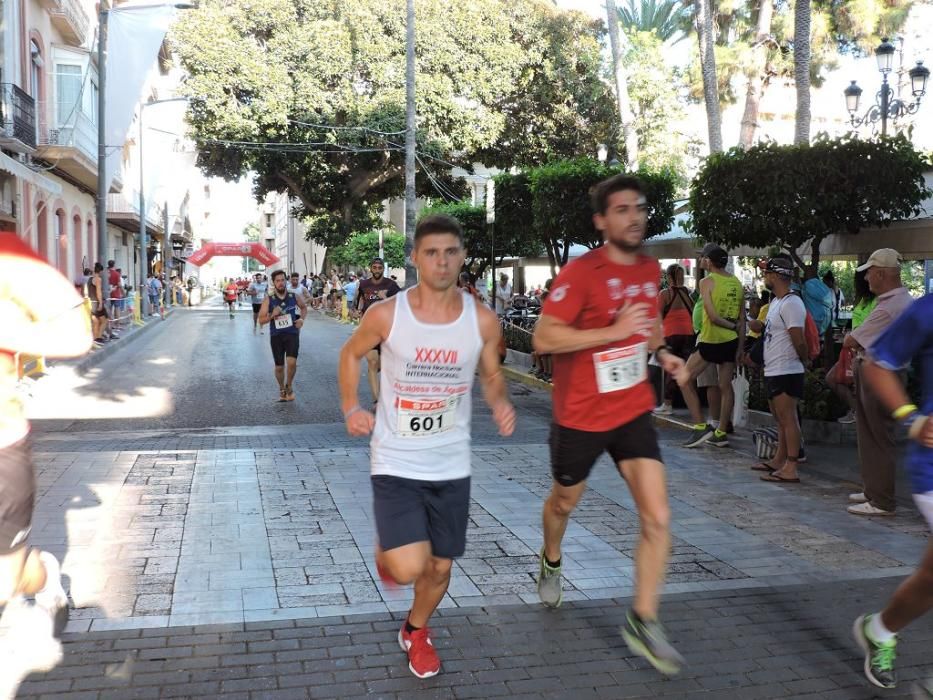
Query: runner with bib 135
x=433, y=338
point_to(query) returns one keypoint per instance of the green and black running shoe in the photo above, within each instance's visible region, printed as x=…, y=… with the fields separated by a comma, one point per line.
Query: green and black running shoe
x=879, y=657
x=648, y=639
x=549, y=586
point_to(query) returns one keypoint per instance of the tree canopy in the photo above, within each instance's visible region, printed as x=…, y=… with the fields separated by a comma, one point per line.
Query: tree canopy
x=310, y=96
x=788, y=196
x=358, y=252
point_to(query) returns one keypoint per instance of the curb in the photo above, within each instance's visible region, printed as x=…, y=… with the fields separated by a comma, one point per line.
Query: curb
x=527, y=379
x=92, y=359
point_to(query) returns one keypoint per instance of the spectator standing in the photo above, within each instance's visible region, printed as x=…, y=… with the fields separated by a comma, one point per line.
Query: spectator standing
x=839, y=299
x=115, y=281
x=676, y=309
x=154, y=290
x=874, y=425
x=720, y=342
x=503, y=293
x=350, y=289
x=785, y=354
x=98, y=307
x=865, y=300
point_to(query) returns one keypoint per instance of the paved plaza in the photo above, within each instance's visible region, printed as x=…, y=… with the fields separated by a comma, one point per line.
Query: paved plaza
x=236, y=561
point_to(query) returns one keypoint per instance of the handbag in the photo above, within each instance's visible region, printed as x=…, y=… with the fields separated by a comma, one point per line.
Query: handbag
x=766, y=443
x=756, y=353
x=740, y=406
x=845, y=367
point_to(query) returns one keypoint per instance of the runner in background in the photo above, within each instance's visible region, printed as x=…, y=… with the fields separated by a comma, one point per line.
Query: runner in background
x=286, y=314
x=433, y=338
x=371, y=291
x=230, y=295
x=50, y=324
x=257, y=292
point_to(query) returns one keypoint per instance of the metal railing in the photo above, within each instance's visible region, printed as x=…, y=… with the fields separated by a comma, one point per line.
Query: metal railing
x=18, y=114
x=80, y=133
x=128, y=203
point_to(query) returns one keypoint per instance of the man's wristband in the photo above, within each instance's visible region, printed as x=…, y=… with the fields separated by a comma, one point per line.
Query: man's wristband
x=904, y=411
x=355, y=409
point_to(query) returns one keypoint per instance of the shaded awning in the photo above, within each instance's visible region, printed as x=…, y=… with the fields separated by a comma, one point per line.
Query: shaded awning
x=17, y=169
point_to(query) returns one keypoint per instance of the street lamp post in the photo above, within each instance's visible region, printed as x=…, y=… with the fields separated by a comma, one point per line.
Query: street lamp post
x=886, y=105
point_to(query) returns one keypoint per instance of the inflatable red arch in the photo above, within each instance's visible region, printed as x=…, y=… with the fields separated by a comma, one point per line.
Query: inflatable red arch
x=253, y=250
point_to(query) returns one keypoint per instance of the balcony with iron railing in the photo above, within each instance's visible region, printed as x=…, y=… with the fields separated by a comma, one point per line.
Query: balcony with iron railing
x=70, y=18
x=123, y=211
x=71, y=146
x=17, y=119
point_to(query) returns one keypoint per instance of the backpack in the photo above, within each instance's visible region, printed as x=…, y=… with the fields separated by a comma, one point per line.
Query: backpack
x=812, y=335
x=819, y=301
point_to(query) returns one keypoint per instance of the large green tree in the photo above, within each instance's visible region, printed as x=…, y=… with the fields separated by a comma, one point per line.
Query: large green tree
x=359, y=250
x=795, y=196
x=310, y=95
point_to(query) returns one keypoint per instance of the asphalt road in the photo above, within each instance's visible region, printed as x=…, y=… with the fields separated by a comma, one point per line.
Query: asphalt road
x=202, y=369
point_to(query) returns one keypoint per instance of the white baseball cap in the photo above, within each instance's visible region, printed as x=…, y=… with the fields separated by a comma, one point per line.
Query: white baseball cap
x=883, y=257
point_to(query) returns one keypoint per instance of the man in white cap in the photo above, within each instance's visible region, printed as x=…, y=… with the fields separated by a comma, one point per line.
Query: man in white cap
x=875, y=428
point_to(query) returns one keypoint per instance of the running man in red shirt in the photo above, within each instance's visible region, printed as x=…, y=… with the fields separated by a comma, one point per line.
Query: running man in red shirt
x=601, y=322
x=231, y=293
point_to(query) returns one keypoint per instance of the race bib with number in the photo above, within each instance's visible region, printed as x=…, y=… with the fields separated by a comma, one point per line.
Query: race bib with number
x=620, y=368
x=283, y=321
x=421, y=418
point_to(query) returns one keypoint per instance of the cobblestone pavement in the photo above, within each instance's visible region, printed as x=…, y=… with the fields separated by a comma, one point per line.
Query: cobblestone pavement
x=775, y=642
x=188, y=537
x=237, y=561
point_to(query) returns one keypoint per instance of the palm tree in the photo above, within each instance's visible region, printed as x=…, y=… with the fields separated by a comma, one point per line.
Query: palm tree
x=704, y=27
x=802, y=70
x=626, y=117
x=668, y=19
x=757, y=73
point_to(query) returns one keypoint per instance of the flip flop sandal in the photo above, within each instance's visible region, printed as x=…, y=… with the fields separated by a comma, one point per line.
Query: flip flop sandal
x=762, y=467
x=774, y=478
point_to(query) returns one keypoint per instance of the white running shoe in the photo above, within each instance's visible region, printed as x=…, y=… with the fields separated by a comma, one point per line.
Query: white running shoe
x=857, y=498
x=868, y=509
x=52, y=598
x=26, y=646
x=663, y=410
x=848, y=418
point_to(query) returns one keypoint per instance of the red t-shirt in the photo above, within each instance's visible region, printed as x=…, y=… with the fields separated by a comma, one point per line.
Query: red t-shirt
x=116, y=284
x=601, y=388
x=230, y=292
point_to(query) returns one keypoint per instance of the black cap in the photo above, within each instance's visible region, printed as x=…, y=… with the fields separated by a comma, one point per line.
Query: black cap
x=715, y=253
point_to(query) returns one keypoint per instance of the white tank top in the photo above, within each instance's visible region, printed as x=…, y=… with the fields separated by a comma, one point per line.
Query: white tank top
x=423, y=416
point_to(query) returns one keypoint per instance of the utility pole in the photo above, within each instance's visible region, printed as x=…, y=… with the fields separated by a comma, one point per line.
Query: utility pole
x=629, y=137
x=102, y=237
x=410, y=202
x=166, y=253
x=143, y=243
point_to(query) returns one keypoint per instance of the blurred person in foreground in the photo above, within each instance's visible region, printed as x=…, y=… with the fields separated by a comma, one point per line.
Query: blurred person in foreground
x=51, y=324
x=908, y=338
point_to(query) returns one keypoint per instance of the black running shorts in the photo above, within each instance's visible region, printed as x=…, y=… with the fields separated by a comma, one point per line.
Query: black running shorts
x=256, y=307
x=719, y=353
x=411, y=510
x=283, y=345
x=17, y=495
x=790, y=384
x=574, y=452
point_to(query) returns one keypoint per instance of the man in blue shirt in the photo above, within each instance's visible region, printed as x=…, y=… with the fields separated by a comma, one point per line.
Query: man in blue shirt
x=910, y=337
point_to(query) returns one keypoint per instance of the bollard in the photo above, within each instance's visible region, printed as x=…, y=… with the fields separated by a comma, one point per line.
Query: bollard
x=344, y=312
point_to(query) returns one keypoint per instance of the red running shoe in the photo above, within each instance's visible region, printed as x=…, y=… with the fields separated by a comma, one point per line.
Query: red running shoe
x=422, y=659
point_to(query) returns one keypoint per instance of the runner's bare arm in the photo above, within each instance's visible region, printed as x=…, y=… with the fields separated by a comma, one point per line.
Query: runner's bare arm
x=495, y=390
x=303, y=307
x=554, y=336
x=706, y=292
x=373, y=329
x=264, y=317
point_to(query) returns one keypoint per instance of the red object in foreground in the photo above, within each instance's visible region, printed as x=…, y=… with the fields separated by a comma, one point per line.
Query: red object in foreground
x=252, y=250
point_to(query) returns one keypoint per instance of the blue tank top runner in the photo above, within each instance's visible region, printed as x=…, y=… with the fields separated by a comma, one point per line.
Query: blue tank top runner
x=290, y=311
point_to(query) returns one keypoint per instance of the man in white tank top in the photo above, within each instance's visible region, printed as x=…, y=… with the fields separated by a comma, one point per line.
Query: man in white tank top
x=433, y=337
